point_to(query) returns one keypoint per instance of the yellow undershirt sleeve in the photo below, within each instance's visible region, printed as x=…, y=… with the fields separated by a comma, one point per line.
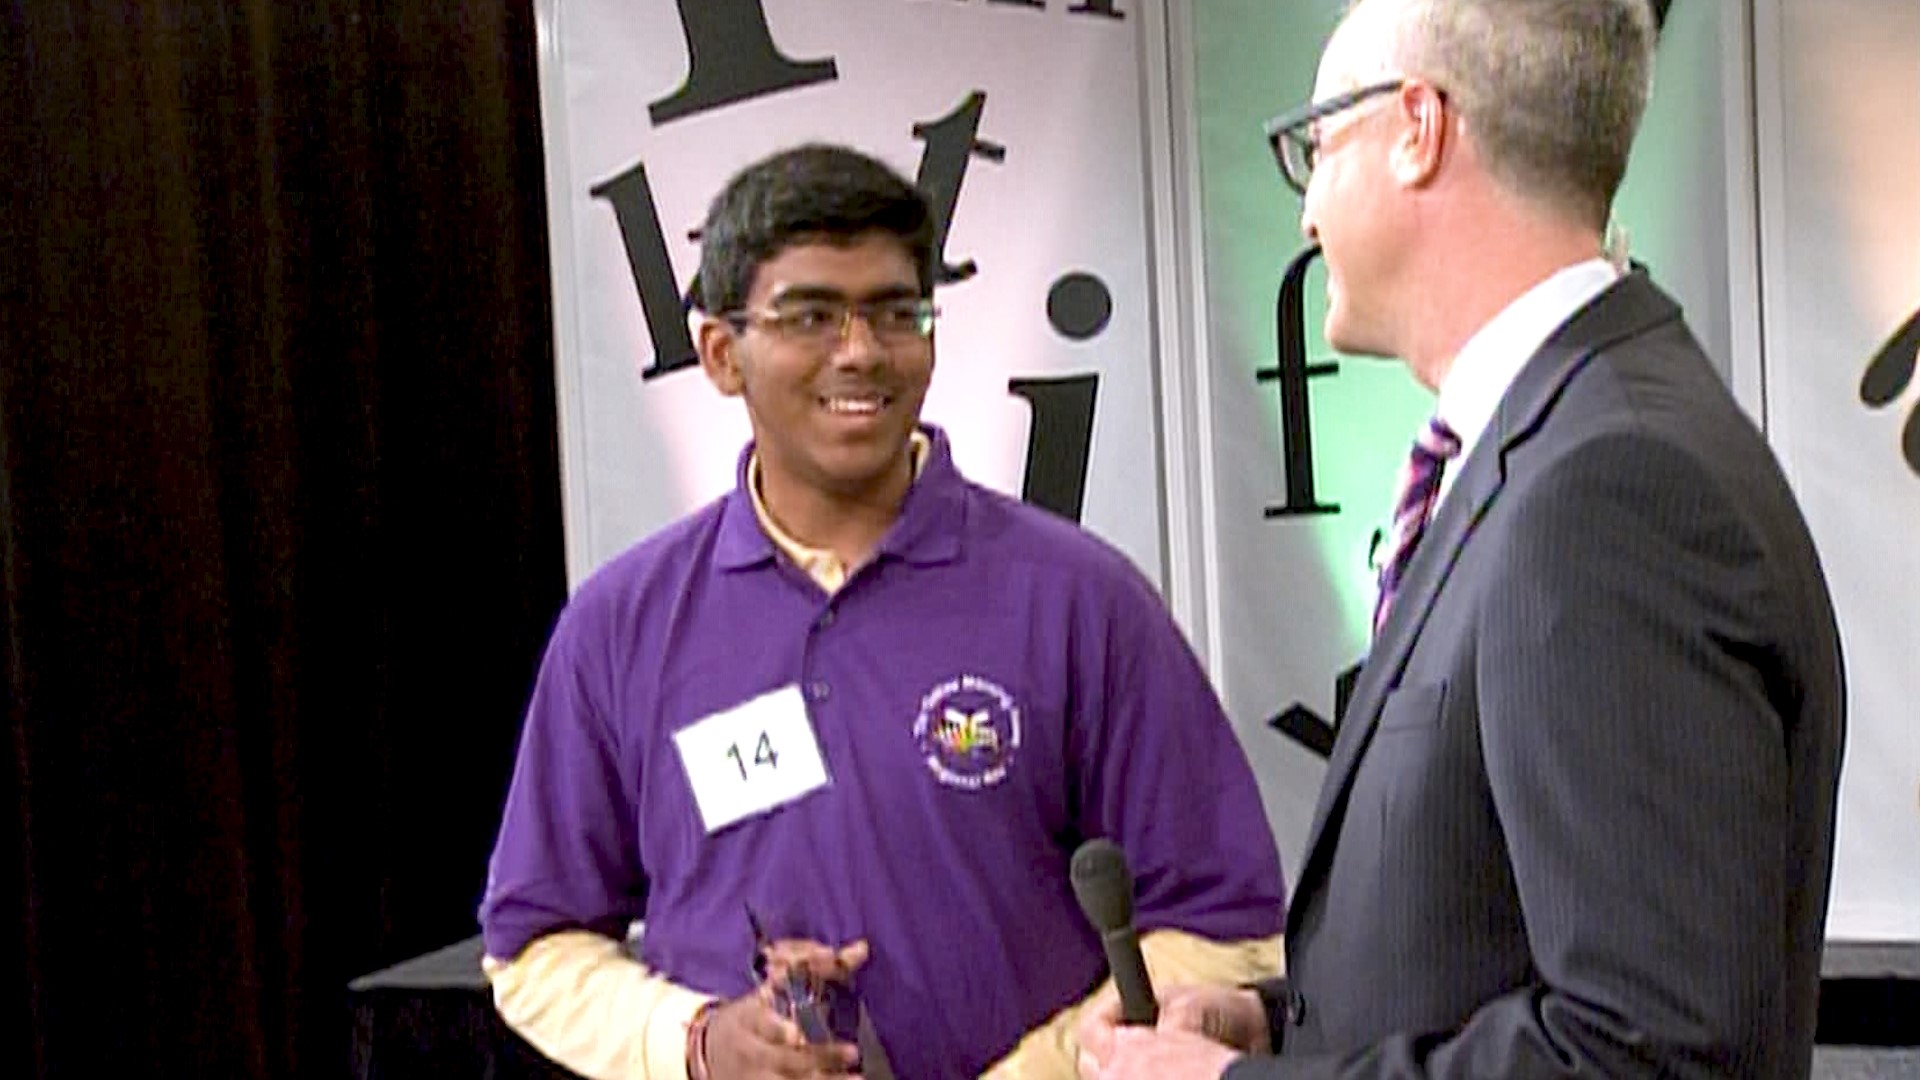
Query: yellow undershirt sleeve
x=582, y=1000
x=1174, y=958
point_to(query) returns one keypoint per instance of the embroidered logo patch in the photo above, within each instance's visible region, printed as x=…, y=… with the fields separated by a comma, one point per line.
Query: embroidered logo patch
x=968, y=730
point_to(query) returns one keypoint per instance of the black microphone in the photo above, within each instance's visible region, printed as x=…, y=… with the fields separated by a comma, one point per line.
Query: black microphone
x=1104, y=886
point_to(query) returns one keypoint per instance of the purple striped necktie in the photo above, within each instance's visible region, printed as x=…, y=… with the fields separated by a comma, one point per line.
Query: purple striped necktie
x=1419, y=487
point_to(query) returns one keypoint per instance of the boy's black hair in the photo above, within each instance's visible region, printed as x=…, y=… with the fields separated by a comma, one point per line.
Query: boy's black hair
x=809, y=193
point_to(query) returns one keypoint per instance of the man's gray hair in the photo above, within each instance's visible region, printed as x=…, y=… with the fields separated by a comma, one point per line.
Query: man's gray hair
x=1552, y=91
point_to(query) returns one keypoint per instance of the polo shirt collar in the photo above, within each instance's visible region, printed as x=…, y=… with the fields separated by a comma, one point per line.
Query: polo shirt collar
x=927, y=530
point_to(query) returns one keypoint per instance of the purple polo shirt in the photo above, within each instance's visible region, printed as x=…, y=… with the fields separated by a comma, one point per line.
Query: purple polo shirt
x=992, y=687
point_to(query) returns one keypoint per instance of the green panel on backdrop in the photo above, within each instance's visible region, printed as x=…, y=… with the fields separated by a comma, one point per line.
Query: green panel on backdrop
x=1673, y=202
x=1254, y=58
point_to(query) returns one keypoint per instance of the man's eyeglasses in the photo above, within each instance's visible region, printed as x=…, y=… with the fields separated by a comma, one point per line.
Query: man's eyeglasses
x=1294, y=136
x=826, y=323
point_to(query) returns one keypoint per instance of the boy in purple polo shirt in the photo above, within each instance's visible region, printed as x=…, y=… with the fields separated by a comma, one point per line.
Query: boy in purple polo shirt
x=866, y=700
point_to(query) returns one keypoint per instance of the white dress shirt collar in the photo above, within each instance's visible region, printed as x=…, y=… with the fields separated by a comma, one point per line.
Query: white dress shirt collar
x=1494, y=355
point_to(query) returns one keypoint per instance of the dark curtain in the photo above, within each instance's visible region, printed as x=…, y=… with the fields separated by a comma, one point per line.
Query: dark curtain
x=279, y=510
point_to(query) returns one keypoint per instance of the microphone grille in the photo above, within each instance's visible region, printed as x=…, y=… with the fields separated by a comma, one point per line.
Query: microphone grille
x=1103, y=884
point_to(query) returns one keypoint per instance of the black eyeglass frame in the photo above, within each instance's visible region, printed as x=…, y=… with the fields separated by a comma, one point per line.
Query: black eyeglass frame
x=1296, y=124
x=788, y=324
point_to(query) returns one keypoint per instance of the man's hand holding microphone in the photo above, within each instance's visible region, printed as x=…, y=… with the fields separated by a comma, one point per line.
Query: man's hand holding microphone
x=1127, y=1033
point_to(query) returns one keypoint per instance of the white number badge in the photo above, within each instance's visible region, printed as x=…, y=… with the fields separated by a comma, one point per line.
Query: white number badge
x=751, y=758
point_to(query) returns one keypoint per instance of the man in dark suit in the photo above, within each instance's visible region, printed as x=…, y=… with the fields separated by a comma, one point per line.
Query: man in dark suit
x=1579, y=816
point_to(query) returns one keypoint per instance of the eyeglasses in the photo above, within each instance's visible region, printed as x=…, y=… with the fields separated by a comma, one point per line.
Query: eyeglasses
x=826, y=323
x=1294, y=140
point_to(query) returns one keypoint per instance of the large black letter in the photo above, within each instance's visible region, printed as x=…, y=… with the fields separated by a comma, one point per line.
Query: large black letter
x=951, y=144
x=1892, y=368
x=731, y=57
x=1887, y=377
x=1096, y=7
x=1305, y=727
x=1292, y=373
x=1060, y=442
x=633, y=208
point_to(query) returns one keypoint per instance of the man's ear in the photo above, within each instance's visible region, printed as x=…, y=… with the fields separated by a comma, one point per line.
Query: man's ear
x=718, y=346
x=1422, y=143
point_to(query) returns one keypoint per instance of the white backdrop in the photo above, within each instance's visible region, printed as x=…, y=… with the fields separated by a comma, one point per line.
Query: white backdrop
x=1131, y=154
x=1061, y=190
x=1839, y=197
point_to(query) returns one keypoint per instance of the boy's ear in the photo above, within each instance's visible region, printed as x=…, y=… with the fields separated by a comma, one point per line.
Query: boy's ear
x=718, y=346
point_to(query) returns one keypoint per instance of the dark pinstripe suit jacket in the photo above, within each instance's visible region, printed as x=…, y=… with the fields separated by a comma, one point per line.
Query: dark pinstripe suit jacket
x=1579, y=815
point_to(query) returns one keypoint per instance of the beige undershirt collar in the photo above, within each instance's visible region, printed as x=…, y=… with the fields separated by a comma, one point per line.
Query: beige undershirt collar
x=823, y=566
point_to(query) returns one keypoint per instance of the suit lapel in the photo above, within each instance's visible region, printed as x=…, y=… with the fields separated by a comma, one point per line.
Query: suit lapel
x=1631, y=306
x=1433, y=561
